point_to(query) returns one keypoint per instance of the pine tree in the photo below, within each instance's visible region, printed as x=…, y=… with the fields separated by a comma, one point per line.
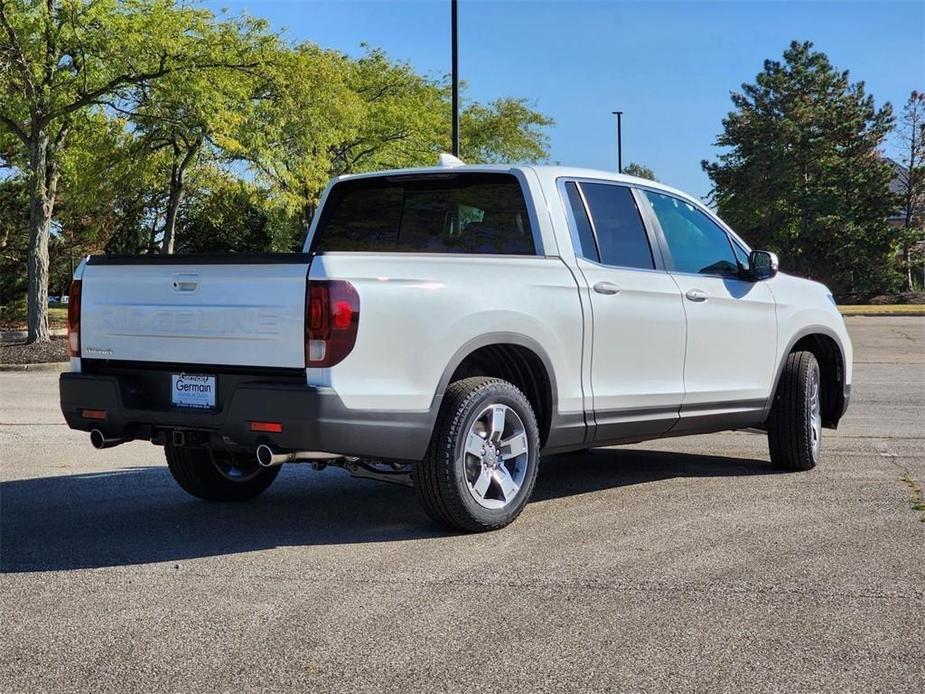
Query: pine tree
x=910, y=136
x=802, y=174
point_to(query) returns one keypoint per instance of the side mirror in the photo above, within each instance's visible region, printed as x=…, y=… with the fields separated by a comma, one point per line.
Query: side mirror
x=762, y=265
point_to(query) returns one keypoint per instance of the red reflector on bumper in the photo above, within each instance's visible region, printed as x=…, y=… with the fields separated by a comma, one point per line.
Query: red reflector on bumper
x=93, y=414
x=272, y=427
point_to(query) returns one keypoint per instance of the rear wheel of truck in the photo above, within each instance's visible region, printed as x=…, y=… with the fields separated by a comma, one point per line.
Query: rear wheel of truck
x=482, y=463
x=218, y=475
x=795, y=422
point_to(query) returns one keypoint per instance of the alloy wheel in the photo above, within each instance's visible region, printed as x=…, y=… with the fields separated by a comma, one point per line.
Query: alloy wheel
x=496, y=456
x=815, y=414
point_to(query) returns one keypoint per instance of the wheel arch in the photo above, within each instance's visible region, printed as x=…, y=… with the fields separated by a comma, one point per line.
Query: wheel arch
x=825, y=344
x=516, y=358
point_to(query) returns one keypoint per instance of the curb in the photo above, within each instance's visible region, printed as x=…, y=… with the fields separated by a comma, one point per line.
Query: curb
x=895, y=314
x=57, y=366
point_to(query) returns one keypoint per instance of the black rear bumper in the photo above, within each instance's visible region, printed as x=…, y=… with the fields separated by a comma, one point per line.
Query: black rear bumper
x=312, y=419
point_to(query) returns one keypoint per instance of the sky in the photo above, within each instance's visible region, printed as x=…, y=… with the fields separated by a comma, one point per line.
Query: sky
x=669, y=66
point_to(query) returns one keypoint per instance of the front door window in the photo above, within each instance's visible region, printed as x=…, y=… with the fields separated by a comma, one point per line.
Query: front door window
x=697, y=244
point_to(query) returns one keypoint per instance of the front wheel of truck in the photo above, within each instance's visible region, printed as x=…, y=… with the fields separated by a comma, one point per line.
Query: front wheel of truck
x=218, y=475
x=795, y=422
x=482, y=463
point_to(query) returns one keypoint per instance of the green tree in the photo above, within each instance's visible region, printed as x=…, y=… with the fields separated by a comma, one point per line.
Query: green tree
x=505, y=130
x=14, y=215
x=403, y=122
x=910, y=140
x=98, y=173
x=640, y=171
x=398, y=121
x=197, y=114
x=802, y=174
x=305, y=110
x=326, y=115
x=232, y=216
x=136, y=125
x=59, y=58
x=112, y=193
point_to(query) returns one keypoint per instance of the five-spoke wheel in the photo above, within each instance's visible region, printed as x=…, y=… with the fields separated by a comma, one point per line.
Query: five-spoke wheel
x=496, y=456
x=482, y=463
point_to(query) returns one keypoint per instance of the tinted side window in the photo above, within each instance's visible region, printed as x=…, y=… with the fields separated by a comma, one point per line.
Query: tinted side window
x=437, y=213
x=583, y=224
x=697, y=244
x=618, y=226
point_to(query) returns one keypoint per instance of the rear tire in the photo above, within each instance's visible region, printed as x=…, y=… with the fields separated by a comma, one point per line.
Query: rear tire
x=218, y=475
x=481, y=467
x=795, y=422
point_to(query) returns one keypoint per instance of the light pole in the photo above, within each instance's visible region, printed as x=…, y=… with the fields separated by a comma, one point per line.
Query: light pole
x=455, y=77
x=619, y=115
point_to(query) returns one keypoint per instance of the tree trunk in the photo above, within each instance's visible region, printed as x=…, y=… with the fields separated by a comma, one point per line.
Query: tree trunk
x=42, y=202
x=152, y=235
x=909, y=202
x=175, y=197
x=173, y=205
x=910, y=284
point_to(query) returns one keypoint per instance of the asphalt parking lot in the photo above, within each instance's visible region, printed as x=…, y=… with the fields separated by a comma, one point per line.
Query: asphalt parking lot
x=684, y=564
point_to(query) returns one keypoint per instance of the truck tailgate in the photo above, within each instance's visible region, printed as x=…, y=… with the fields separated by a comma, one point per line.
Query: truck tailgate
x=226, y=310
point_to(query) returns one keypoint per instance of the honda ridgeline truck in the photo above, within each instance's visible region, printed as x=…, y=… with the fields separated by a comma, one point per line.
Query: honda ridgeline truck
x=445, y=327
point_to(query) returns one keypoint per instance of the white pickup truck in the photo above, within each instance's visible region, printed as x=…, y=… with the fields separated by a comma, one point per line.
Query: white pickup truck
x=446, y=326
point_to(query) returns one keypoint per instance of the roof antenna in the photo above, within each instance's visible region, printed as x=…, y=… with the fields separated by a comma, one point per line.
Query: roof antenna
x=448, y=161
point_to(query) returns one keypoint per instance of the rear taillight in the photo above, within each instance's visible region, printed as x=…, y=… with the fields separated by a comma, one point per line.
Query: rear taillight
x=332, y=316
x=73, y=319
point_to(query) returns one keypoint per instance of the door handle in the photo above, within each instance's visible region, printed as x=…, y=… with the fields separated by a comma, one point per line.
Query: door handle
x=696, y=295
x=606, y=288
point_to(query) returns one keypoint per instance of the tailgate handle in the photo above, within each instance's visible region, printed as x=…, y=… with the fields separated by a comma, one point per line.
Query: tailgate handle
x=186, y=282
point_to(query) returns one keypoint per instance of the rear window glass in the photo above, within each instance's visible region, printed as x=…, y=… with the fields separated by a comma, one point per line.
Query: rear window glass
x=431, y=213
x=583, y=224
x=618, y=226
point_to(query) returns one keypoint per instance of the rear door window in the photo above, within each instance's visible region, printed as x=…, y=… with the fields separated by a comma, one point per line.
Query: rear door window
x=621, y=236
x=479, y=213
x=582, y=223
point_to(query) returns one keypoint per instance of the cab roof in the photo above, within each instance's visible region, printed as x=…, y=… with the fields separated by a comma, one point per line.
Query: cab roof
x=542, y=171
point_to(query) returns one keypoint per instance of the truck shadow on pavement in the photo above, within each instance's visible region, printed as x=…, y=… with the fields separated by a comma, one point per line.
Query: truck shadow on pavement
x=138, y=515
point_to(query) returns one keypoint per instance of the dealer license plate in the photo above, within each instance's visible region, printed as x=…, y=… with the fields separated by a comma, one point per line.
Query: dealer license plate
x=192, y=390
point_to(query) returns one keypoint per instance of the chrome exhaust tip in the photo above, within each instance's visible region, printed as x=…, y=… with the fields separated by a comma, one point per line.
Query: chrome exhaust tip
x=99, y=440
x=270, y=456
